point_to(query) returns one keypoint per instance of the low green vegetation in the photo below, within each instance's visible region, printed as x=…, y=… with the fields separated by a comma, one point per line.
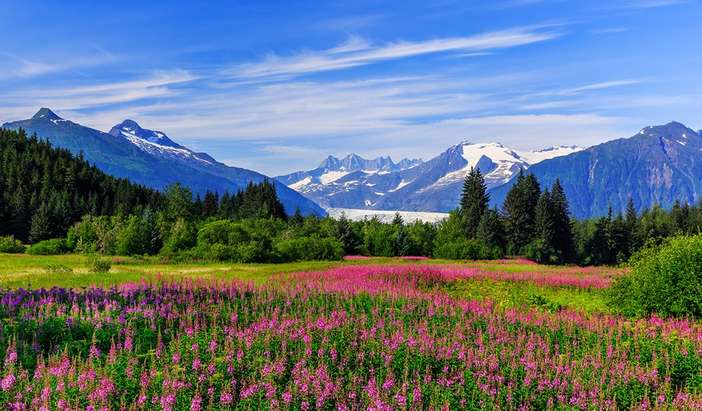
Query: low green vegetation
x=9, y=244
x=54, y=246
x=665, y=280
x=520, y=295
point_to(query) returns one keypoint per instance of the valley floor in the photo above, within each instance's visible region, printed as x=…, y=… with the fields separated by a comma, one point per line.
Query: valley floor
x=495, y=282
x=363, y=333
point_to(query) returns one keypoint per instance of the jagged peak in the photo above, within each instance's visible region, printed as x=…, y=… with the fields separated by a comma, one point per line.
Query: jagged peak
x=46, y=113
x=666, y=129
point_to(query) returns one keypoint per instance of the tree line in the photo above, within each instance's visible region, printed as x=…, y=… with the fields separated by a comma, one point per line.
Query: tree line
x=45, y=190
x=536, y=223
x=49, y=194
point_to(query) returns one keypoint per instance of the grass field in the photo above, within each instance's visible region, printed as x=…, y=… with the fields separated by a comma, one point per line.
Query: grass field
x=363, y=334
x=33, y=271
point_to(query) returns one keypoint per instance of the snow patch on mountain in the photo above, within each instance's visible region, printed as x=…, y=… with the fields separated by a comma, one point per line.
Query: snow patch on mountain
x=332, y=176
x=537, y=156
x=354, y=182
x=154, y=142
x=158, y=149
x=505, y=161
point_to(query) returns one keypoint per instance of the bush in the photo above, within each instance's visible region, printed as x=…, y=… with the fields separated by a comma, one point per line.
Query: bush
x=138, y=237
x=49, y=247
x=541, y=252
x=181, y=237
x=309, y=249
x=99, y=265
x=464, y=249
x=11, y=245
x=665, y=280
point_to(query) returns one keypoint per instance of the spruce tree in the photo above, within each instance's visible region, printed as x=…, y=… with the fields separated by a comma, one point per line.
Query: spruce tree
x=40, y=228
x=491, y=230
x=632, y=227
x=563, y=226
x=210, y=204
x=474, y=201
x=542, y=247
x=519, y=211
x=298, y=219
x=347, y=236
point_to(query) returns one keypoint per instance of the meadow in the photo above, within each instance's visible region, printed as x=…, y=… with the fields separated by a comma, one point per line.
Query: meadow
x=359, y=334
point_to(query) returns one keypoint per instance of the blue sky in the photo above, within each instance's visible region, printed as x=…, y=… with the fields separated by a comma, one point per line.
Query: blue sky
x=277, y=86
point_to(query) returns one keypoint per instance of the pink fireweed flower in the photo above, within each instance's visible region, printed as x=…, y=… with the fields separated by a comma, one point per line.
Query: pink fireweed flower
x=7, y=382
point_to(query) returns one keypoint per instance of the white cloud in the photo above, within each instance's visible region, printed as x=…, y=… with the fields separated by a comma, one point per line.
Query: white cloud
x=96, y=95
x=358, y=52
x=589, y=87
x=17, y=67
x=648, y=4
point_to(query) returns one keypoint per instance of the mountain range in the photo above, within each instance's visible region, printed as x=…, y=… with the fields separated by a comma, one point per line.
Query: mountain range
x=412, y=185
x=152, y=159
x=659, y=165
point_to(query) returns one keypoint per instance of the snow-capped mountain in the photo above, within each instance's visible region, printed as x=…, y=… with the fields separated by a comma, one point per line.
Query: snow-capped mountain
x=414, y=185
x=334, y=174
x=156, y=142
x=150, y=158
x=657, y=166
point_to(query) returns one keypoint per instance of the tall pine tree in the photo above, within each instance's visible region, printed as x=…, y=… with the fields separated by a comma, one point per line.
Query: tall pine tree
x=520, y=212
x=474, y=201
x=491, y=230
x=563, y=227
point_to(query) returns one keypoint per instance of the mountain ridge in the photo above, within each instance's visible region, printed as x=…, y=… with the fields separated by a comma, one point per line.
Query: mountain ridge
x=657, y=166
x=149, y=163
x=414, y=185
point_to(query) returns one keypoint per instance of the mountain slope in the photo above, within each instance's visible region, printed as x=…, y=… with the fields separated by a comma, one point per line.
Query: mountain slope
x=150, y=158
x=659, y=165
x=413, y=185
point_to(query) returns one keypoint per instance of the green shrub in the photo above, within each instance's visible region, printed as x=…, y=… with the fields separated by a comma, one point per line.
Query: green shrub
x=11, y=245
x=665, y=280
x=182, y=235
x=138, y=237
x=49, y=247
x=253, y=252
x=541, y=252
x=309, y=249
x=99, y=265
x=221, y=252
x=464, y=249
x=224, y=232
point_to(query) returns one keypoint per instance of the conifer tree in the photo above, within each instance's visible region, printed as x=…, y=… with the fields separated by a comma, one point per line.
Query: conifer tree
x=474, y=201
x=563, y=228
x=491, y=230
x=520, y=212
x=40, y=228
x=347, y=236
x=210, y=204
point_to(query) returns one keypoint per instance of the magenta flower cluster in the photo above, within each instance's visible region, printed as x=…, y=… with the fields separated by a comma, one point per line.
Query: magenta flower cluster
x=357, y=337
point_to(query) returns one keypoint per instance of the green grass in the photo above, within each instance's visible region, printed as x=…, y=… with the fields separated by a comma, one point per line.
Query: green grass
x=31, y=271
x=523, y=294
x=21, y=270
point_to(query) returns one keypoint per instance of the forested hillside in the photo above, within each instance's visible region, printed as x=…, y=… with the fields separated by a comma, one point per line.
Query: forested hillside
x=45, y=190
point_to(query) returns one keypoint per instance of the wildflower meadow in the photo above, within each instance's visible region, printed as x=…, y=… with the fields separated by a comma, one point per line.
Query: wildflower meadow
x=381, y=337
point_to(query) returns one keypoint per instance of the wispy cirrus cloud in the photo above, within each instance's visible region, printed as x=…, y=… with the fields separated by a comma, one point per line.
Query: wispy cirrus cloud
x=94, y=95
x=18, y=67
x=646, y=4
x=358, y=52
x=590, y=87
